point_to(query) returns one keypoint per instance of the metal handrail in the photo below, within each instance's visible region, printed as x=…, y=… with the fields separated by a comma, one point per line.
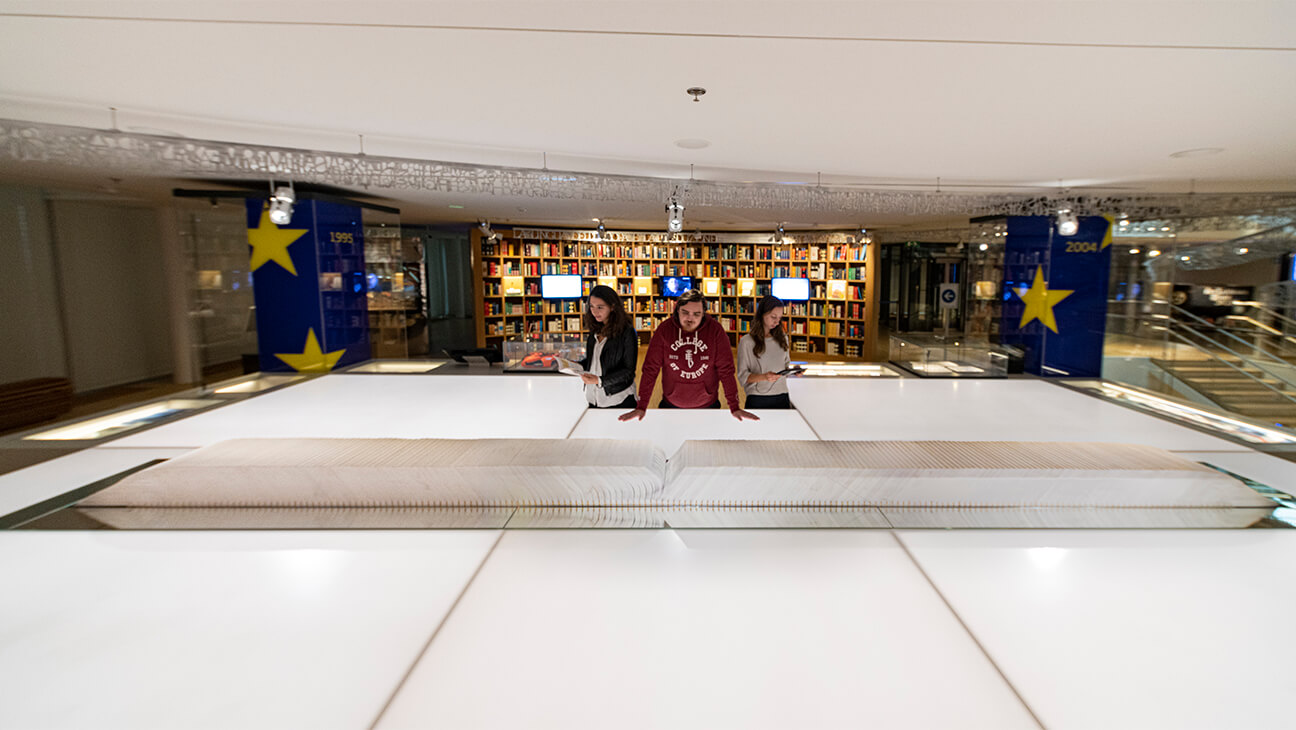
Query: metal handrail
x=1270, y=386
x=1265, y=328
x=1265, y=310
x=1204, y=323
x=1160, y=324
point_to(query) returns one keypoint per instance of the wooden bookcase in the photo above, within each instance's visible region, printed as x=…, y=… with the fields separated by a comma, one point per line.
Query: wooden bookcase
x=837, y=327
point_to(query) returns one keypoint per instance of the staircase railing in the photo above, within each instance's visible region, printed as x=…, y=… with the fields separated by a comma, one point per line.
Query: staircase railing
x=1266, y=322
x=1225, y=338
x=1212, y=349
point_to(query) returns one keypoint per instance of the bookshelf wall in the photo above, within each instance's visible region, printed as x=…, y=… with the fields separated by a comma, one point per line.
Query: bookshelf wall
x=838, y=321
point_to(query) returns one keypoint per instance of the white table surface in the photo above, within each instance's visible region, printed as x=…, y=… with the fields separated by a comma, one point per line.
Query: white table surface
x=39, y=482
x=219, y=629
x=1136, y=629
x=702, y=629
x=668, y=428
x=980, y=410
x=387, y=406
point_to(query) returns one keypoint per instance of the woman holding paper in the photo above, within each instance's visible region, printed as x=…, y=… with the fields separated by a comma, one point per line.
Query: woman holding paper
x=762, y=355
x=611, y=351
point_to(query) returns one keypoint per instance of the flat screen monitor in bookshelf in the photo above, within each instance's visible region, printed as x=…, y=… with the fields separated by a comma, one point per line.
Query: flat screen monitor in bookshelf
x=560, y=286
x=790, y=289
x=673, y=286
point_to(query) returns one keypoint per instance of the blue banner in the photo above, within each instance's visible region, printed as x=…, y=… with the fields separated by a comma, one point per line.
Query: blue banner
x=1055, y=294
x=309, y=284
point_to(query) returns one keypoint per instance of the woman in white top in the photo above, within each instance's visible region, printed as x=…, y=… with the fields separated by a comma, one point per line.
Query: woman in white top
x=611, y=352
x=762, y=353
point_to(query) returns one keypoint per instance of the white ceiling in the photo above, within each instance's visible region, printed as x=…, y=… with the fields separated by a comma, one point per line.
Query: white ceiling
x=989, y=95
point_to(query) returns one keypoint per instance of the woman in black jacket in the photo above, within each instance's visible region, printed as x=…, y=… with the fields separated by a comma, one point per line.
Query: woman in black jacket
x=611, y=352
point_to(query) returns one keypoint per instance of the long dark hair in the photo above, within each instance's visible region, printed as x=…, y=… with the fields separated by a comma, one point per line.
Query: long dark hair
x=617, y=319
x=758, y=332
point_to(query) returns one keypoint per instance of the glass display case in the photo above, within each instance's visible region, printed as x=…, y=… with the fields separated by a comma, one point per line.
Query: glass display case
x=122, y=421
x=836, y=369
x=396, y=366
x=1194, y=414
x=395, y=288
x=221, y=308
x=928, y=355
x=255, y=383
x=539, y=352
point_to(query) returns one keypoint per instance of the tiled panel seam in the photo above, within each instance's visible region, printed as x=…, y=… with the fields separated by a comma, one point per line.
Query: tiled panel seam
x=808, y=424
x=577, y=423
x=967, y=629
x=450, y=612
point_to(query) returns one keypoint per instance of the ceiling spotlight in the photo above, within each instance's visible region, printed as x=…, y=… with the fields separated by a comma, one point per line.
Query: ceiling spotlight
x=598, y=232
x=486, y=231
x=1124, y=223
x=281, y=204
x=674, y=216
x=1153, y=253
x=1243, y=251
x=1134, y=251
x=984, y=246
x=1185, y=258
x=1067, y=222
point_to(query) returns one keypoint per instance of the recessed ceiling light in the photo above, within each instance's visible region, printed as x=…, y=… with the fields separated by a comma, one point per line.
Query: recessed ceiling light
x=457, y=207
x=692, y=144
x=1198, y=152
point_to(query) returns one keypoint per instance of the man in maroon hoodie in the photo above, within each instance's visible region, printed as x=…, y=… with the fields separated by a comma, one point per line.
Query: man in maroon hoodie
x=691, y=351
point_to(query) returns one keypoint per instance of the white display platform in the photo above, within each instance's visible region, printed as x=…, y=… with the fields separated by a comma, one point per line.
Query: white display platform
x=702, y=629
x=668, y=428
x=194, y=630
x=1131, y=629
x=981, y=410
x=49, y=479
x=387, y=406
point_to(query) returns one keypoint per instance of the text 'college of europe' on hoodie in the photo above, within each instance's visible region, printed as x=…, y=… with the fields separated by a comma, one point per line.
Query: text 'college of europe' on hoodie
x=692, y=365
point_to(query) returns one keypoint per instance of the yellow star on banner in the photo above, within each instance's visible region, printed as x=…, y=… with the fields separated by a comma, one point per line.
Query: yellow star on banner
x=311, y=359
x=1039, y=301
x=270, y=243
x=1107, y=237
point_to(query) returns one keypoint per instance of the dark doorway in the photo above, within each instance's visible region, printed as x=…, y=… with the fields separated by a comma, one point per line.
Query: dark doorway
x=450, y=309
x=911, y=275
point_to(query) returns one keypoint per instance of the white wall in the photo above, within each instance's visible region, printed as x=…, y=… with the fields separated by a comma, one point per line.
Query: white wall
x=31, y=335
x=113, y=292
